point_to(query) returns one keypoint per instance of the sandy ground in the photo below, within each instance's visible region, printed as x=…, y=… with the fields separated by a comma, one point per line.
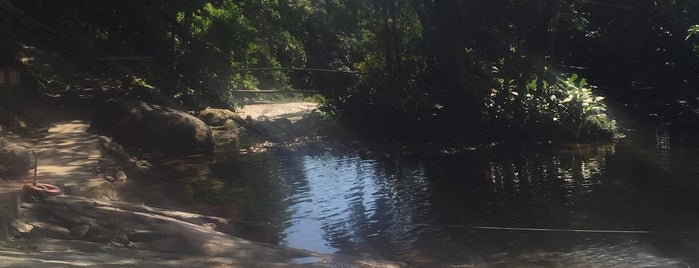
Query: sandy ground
x=65, y=157
x=293, y=111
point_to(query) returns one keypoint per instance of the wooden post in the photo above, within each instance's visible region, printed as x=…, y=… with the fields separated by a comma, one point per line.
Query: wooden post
x=9, y=210
x=10, y=76
x=4, y=222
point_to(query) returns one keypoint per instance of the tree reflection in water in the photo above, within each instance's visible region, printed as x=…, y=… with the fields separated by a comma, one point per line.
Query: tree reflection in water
x=424, y=210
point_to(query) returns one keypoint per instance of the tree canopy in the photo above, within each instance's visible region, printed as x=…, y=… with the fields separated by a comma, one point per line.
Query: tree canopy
x=466, y=68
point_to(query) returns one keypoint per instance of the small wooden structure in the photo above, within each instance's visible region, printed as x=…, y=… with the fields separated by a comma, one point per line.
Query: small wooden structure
x=10, y=75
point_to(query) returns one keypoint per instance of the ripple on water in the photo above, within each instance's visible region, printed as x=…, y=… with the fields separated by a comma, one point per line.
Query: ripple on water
x=422, y=210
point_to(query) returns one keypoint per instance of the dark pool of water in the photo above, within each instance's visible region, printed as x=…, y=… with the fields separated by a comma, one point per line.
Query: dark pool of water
x=526, y=207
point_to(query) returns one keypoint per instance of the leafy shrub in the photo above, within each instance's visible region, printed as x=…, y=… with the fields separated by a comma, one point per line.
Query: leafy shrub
x=553, y=108
x=581, y=109
x=693, y=37
x=317, y=98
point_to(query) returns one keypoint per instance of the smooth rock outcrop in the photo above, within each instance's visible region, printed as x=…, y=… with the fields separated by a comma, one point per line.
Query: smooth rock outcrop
x=218, y=117
x=151, y=126
x=71, y=231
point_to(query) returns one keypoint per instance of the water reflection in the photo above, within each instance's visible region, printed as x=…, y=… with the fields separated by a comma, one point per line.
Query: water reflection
x=425, y=210
x=662, y=147
x=350, y=204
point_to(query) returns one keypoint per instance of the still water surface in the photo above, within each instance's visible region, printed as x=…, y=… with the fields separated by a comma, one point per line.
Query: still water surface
x=438, y=210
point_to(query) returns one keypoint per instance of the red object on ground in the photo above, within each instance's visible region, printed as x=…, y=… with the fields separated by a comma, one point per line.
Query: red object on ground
x=42, y=190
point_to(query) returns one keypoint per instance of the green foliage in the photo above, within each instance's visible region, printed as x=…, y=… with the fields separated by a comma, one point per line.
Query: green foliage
x=581, y=108
x=317, y=98
x=693, y=37
x=579, y=100
x=692, y=32
x=551, y=104
x=140, y=82
x=455, y=67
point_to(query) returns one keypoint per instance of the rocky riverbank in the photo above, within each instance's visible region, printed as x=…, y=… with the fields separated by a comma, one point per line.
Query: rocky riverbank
x=89, y=227
x=73, y=231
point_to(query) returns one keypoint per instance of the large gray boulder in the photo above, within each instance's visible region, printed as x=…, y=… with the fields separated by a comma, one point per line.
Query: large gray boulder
x=151, y=126
x=15, y=160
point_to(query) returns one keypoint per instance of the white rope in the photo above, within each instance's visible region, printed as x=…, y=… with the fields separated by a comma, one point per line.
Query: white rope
x=526, y=229
x=565, y=230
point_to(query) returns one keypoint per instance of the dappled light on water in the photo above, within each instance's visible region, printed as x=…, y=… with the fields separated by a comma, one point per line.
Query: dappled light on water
x=571, y=205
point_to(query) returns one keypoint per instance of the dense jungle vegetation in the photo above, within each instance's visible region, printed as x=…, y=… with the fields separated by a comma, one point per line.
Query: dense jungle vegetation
x=419, y=68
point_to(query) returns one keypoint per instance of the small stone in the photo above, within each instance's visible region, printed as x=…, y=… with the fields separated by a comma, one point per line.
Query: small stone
x=79, y=231
x=122, y=240
x=143, y=165
x=22, y=227
x=120, y=176
x=209, y=226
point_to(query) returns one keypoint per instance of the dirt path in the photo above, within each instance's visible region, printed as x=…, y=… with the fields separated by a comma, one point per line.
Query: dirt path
x=65, y=157
x=67, y=153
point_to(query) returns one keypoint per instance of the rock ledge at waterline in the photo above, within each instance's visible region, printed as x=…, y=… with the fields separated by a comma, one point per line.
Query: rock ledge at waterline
x=80, y=232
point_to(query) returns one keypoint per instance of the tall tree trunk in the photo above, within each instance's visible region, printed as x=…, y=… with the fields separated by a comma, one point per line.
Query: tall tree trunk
x=386, y=36
x=398, y=68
